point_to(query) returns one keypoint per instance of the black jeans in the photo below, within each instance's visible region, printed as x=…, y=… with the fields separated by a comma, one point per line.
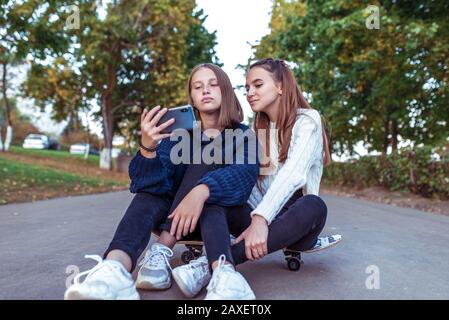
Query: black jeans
x=145, y=213
x=297, y=226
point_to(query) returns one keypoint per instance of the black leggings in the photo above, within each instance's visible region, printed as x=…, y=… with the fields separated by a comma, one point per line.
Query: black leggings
x=297, y=225
x=148, y=212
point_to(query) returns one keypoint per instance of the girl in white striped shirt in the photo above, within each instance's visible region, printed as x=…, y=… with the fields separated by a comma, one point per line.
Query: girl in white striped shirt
x=297, y=148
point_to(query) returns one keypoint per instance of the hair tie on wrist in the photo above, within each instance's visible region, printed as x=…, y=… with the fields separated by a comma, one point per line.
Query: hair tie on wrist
x=148, y=149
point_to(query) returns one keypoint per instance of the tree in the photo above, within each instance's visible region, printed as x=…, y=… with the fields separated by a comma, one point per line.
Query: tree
x=139, y=77
x=25, y=28
x=57, y=85
x=373, y=85
x=137, y=55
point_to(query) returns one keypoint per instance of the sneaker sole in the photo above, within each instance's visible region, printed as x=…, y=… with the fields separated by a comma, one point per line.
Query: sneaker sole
x=147, y=285
x=247, y=297
x=320, y=249
x=128, y=294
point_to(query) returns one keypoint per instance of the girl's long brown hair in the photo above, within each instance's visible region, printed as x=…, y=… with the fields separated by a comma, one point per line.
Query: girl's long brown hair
x=291, y=100
x=231, y=112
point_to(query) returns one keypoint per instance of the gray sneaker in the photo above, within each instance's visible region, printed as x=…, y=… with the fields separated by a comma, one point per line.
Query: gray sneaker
x=192, y=277
x=228, y=284
x=155, y=271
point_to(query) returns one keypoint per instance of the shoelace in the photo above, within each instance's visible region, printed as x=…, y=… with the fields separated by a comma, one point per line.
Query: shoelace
x=216, y=274
x=90, y=272
x=198, y=267
x=157, y=257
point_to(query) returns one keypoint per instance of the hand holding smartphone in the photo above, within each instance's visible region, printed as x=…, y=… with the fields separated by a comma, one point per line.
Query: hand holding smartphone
x=157, y=124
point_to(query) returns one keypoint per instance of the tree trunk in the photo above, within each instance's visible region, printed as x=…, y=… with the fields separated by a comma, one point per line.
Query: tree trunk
x=330, y=140
x=106, y=111
x=386, y=139
x=106, y=156
x=88, y=138
x=394, y=136
x=7, y=141
x=8, y=138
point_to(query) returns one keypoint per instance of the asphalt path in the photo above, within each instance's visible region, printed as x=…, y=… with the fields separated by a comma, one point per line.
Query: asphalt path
x=386, y=253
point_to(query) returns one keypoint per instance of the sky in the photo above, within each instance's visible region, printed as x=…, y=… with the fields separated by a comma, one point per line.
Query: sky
x=238, y=23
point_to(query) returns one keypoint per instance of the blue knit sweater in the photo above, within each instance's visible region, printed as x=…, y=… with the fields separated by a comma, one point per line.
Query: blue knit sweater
x=229, y=184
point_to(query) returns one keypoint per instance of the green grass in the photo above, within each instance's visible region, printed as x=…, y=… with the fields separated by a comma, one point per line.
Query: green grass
x=33, y=180
x=92, y=160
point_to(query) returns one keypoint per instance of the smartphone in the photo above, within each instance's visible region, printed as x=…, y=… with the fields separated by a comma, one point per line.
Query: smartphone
x=184, y=118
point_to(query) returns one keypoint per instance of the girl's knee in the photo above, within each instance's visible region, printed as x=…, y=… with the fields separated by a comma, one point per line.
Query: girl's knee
x=318, y=205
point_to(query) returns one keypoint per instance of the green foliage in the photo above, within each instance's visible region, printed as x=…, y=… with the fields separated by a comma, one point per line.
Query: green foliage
x=412, y=169
x=138, y=55
x=200, y=43
x=26, y=28
x=372, y=85
x=161, y=78
x=59, y=86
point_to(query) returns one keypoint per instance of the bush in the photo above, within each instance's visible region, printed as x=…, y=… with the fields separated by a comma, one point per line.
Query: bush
x=410, y=170
x=20, y=130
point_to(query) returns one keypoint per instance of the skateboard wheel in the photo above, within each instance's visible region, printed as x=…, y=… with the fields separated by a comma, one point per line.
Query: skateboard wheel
x=294, y=264
x=187, y=256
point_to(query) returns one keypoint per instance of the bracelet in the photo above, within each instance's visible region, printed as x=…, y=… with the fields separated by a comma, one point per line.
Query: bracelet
x=148, y=149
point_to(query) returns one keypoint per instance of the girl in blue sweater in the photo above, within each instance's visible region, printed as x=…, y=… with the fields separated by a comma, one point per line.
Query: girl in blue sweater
x=174, y=198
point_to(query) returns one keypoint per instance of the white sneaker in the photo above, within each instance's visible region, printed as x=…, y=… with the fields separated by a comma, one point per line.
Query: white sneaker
x=155, y=271
x=325, y=242
x=228, y=284
x=108, y=280
x=192, y=277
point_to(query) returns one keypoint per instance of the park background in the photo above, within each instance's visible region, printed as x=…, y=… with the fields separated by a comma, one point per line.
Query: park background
x=82, y=71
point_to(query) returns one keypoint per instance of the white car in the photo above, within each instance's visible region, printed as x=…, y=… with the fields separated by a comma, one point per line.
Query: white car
x=82, y=148
x=36, y=141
